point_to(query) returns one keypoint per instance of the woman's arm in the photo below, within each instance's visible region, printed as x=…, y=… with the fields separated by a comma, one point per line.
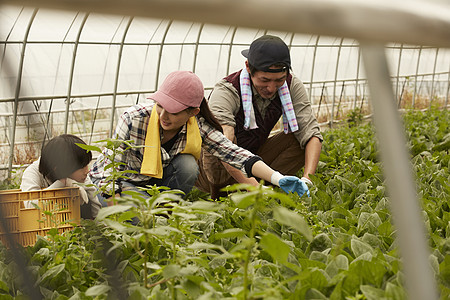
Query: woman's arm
x=238, y=175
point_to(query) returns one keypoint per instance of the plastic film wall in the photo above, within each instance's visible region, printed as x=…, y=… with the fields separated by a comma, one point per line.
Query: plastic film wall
x=75, y=72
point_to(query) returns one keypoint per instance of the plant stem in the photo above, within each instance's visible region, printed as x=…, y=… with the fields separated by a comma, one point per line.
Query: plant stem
x=114, y=179
x=145, y=260
x=174, y=244
x=251, y=244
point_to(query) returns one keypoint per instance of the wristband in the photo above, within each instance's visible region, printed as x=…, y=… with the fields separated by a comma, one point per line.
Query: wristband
x=275, y=178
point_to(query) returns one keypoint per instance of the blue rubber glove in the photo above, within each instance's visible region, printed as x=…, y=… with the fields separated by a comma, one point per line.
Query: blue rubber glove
x=294, y=184
x=290, y=184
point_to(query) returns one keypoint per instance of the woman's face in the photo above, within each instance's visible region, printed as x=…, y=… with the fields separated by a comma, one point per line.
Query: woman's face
x=173, y=122
x=80, y=174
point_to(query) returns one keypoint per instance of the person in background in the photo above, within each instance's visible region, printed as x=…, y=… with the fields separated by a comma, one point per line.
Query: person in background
x=169, y=136
x=63, y=164
x=249, y=103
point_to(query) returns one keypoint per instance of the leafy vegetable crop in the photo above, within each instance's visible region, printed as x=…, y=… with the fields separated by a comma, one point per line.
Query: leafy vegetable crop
x=256, y=243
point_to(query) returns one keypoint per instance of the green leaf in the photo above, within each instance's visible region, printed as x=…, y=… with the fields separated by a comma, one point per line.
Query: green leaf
x=97, y=290
x=359, y=247
x=314, y=278
x=371, y=272
x=284, y=198
x=338, y=263
x=89, y=147
x=286, y=217
x=395, y=292
x=53, y=272
x=4, y=289
x=192, y=288
x=206, y=205
x=314, y=294
x=372, y=293
x=228, y=233
x=204, y=246
x=444, y=270
x=127, y=215
x=275, y=247
x=244, y=200
x=386, y=229
x=319, y=256
x=171, y=271
x=307, y=264
x=111, y=210
x=365, y=217
x=372, y=240
x=116, y=226
x=444, y=146
x=321, y=242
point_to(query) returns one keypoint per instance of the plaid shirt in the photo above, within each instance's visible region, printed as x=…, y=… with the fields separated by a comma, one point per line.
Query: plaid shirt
x=133, y=124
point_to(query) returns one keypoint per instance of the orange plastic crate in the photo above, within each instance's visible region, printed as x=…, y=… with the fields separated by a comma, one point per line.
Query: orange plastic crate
x=25, y=224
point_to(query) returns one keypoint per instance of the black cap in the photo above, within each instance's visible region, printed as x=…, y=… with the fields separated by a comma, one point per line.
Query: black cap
x=267, y=51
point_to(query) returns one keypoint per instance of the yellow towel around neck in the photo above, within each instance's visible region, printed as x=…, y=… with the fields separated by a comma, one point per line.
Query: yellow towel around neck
x=151, y=162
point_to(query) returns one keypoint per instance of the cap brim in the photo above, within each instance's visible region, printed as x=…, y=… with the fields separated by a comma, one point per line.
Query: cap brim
x=168, y=103
x=245, y=52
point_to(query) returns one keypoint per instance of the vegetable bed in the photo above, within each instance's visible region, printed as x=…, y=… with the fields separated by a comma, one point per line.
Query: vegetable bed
x=256, y=243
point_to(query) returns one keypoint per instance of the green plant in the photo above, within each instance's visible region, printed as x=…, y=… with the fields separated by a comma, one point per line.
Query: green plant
x=257, y=243
x=354, y=117
x=13, y=182
x=114, y=148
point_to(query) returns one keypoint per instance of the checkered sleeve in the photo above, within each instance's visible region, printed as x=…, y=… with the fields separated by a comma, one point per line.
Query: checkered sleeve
x=218, y=145
x=101, y=171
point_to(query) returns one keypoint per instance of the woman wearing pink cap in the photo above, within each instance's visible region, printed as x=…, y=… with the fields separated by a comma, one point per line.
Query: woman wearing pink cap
x=170, y=136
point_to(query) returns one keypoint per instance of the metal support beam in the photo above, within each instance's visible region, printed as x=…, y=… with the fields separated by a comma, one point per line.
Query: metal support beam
x=72, y=72
x=404, y=203
x=117, y=76
x=415, y=22
x=17, y=93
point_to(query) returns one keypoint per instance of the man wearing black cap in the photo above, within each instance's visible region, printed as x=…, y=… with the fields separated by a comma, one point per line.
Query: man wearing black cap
x=249, y=104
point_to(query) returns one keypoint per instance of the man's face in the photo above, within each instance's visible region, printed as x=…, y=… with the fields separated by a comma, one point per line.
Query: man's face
x=267, y=84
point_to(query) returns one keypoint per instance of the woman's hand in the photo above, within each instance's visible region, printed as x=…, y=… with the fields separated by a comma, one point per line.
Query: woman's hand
x=291, y=184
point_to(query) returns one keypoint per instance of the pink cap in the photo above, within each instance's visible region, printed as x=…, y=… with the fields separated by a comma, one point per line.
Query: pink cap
x=180, y=90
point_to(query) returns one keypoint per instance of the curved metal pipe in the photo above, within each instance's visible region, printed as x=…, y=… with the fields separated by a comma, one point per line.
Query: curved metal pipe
x=415, y=78
x=17, y=92
x=158, y=67
x=116, y=80
x=194, y=64
x=418, y=23
x=313, y=66
x=72, y=70
x=433, y=76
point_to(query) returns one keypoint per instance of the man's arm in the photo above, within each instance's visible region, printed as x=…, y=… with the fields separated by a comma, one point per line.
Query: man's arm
x=312, y=154
x=228, y=131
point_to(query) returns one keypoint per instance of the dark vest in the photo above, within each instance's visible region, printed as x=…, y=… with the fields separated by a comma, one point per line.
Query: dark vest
x=253, y=139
